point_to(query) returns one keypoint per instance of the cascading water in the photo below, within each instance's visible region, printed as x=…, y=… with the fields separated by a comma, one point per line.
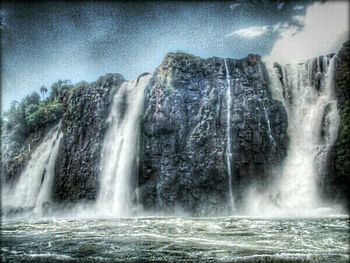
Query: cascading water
x=120, y=149
x=313, y=122
x=34, y=186
x=228, y=134
x=272, y=140
x=45, y=190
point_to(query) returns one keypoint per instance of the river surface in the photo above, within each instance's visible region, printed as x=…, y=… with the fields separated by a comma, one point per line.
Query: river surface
x=172, y=239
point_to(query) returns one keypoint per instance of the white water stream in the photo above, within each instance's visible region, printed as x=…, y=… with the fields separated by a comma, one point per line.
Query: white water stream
x=310, y=110
x=228, y=134
x=34, y=185
x=120, y=149
x=272, y=140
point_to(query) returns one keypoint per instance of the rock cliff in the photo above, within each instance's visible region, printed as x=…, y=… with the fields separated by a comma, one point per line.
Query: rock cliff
x=209, y=126
x=85, y=109
x=185, y=135
x=337, y=180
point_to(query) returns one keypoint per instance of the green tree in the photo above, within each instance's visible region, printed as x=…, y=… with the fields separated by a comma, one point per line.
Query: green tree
x=34, y=98
x=59, y=87
x=14, y=123
x=43, y=90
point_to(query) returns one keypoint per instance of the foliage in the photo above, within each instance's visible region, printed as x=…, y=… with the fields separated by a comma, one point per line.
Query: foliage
x=43, y=115
x=32, y=115
x=81, y=85
x=43, y=90
x=181, y=56
x=59, y=88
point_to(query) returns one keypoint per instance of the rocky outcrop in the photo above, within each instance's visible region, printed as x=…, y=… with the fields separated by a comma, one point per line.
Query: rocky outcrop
x=85, y=109
x=185, y=132
x=337, y=181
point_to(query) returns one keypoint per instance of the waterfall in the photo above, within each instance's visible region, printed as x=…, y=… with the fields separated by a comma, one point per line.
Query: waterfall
x=34, y=185
x=45, y=190
x=272, y=140
x=228, y=134
x=313, y=123
x=120, y=149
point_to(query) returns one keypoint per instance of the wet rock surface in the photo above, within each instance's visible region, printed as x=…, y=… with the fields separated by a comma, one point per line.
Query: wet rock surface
x=183, y=162
x=86, y=108
x=337, y=180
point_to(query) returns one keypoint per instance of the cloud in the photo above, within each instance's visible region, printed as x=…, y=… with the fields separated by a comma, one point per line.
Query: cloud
x=299, y=19
x=250, y=32
x=282, y=29
x=285, y=29
x=234, y=6
x=325, y=29
x=280, y=5
x=3, y=22
x=298, y=7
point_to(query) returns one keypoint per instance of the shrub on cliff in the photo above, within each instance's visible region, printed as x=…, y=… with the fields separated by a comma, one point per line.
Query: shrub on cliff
x=29, y=116
x=44, y=114
x=59, y=88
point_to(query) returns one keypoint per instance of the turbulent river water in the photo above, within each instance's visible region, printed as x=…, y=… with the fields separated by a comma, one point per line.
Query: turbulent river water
x=172, y=239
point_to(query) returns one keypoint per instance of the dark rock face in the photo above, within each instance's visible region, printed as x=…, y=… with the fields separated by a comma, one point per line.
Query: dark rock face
x=337, y=181
x=85, y=110
x=185, y=133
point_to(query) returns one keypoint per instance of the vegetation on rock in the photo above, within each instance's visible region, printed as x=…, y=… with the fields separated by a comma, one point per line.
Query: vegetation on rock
x=24, y=123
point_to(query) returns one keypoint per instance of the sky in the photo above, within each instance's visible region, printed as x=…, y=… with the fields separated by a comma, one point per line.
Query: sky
x=46, y=41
